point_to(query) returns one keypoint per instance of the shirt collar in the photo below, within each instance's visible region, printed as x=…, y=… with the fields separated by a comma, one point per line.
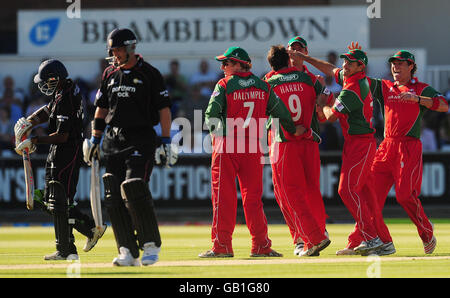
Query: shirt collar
x=414, y=80
x=355, y=77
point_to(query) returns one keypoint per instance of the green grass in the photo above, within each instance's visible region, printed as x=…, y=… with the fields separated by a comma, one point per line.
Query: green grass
x=22, y=250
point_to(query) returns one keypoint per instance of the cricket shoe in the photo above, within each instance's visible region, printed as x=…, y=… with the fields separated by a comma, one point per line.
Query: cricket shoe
x=213, y=254
x=368, y=245
x=57, y=256
x=384, y=250
x=125, y=258
x=429, y=247
x=150, y=254
x=346, y=252
x=298, y=248
x=97, y=233
x=315, y=250
x=266, y=254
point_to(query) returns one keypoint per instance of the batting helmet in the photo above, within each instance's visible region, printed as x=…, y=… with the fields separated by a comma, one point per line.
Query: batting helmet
x=49, y=74
x=120, y=38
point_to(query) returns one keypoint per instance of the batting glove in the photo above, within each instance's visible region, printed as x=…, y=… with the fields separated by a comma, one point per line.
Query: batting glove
x=22, y=129
x=24, y=145
x=167, y=153
x=91, y=149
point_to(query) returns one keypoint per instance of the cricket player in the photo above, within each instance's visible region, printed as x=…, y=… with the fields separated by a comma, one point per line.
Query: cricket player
x=398, y=160
x=354, y=109
x=235, y=116
x=314, y=196
x=296, y=160
x=132, y=98
x=64, y=115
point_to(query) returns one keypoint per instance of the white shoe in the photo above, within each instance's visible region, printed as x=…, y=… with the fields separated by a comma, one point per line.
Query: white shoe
x=125, y=258
x=97, y=234
x=56, y=256
x=384, y=250
x=150, y=254
x=430, y=246
x=368, y=245
x=298, y=248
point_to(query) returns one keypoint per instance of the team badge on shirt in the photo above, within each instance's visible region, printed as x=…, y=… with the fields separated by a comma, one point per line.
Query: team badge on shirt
x=338, y=105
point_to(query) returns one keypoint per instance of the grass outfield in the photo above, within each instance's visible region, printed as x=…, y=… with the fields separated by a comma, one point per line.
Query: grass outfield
x=22, y=250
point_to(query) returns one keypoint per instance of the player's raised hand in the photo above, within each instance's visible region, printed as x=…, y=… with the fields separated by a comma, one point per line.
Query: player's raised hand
x=321, y=79
x=354, y=46
x=295, y=53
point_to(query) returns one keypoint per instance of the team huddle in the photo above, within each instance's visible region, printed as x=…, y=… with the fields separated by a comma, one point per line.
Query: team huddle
x=289, y=99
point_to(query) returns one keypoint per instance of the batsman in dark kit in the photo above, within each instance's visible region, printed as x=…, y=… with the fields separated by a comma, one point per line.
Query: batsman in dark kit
x=64, y=115
x=132, y=98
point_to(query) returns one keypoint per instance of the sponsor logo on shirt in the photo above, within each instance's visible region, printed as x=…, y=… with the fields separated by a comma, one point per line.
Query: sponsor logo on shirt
x=123, y=91
x=246, y=83
x=289, y=77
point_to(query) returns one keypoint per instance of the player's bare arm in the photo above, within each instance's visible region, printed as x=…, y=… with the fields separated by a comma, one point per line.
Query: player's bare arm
x=324, y=66
x=437, y=104
x=166, y=121
x=100, y=113
x=329, y=115
x=39, y=117
x=54, y=138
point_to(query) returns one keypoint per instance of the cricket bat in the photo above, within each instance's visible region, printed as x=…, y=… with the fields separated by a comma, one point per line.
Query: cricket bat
x=29, y=180
x=96, y=205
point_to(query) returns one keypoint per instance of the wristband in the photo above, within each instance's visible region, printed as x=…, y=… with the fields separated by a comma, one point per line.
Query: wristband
x=436, y=103
x=165, y=140
x=95, y=140
x=99, y=124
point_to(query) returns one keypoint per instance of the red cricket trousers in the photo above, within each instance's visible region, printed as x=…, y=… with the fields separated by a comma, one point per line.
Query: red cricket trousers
x=398, y=162
x=248, y=168
x=296, y=180
x=356, y=190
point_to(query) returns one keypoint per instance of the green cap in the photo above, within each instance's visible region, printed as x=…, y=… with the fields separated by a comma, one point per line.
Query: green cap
x=299, y=40
x=356, y=55
x=235, y=53
x=403, y=56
